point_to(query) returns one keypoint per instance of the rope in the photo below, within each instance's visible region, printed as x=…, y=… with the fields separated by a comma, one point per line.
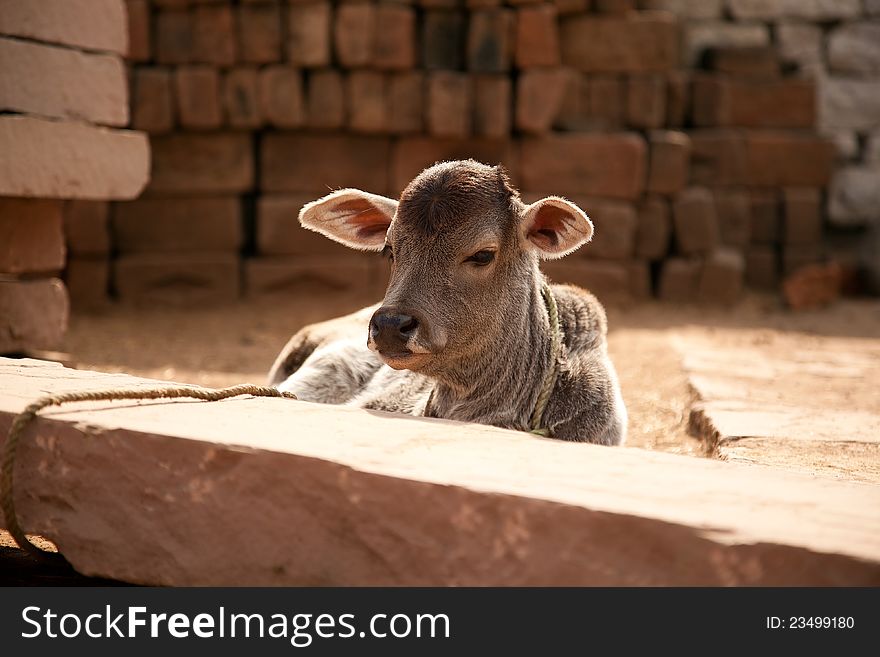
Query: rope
x=553, y=371
x=21, y=420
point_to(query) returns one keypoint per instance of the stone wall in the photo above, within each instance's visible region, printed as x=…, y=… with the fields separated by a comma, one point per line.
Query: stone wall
x=701, y=170
x=835, y=44
x=63, y=98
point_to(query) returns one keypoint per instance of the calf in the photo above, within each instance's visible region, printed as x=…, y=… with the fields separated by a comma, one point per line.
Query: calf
x=469, y=328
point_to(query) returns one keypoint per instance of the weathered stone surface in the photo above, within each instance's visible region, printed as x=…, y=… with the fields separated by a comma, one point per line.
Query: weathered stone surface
x=734, y=217
x=178, y=279
x=654, y=228
x=537, y=36
x=31, y=236
x=854, y=196
x=396, y=485
x=761, y=62
x=281, y=97
x=699, y=36
x=190, y=163
x=394, y=44
x=411, y=155
x=51, y=159
x=241, y=98
x=695, y=221
x=646, y=101
x=816, y=10
x=152, y=100
x=86, y=228
x=670, y=153
x=160, y=225
x=603, y=165
x=33, y=314
x=679, y=278
x=449, y=104
x=849, y=103
x=326, y=99
x=368, y=103
x=406, y=97
x=721, y=279
x=762, y=268
x=753, y=103
x=801, y=44
x=539, y=96
x=846, y=144
x=788, y=160
x=309, y=34
x=766, y=219
x=613, y=44
x=87, y=281
x=359, y=273
x=280, y=233
x=690, y=9
x=197, y=90
x=855, y=48
x=614, y=229
x=490, y=41
x=802, y=216
x=308, y=163
x=62, y=83
x=140, y=30
x=259, y=33
x=90, y=24
x=492, y=105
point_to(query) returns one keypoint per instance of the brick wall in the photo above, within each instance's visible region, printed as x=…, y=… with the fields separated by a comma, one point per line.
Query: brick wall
x=702, y=171
x=63, y=100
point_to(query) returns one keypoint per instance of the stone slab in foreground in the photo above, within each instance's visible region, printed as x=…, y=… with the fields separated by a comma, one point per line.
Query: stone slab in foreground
x=270, y=491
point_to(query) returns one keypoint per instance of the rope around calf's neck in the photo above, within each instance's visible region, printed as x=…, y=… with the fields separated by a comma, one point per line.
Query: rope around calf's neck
x=553, y=371
x=16, y=430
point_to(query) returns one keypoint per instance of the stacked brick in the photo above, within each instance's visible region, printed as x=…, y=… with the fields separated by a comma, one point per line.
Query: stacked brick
x=63, y=98
x=256, y=107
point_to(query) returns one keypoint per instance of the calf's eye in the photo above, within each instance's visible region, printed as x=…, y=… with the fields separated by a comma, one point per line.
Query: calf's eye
x=482, y=258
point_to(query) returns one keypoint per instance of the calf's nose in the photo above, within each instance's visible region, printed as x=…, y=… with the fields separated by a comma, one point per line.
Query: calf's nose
x=391, y=329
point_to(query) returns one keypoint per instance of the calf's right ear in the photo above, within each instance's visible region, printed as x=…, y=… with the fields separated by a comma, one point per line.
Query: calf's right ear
x=351, y=217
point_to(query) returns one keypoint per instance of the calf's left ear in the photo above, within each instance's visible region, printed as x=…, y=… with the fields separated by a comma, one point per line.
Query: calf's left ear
x=555, y=227
x=351, y=217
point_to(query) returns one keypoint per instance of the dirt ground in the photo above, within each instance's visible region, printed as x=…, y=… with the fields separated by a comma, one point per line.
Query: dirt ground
x=237, y=343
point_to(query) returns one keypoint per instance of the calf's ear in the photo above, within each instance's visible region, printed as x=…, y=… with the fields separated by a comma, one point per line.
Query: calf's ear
x=352, y=217
x=555, y=227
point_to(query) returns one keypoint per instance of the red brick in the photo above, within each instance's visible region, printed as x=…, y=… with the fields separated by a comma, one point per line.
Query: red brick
x=747, y=62
x=152, y=100
x=564, y=7
x=778, y=159
x=490, y=41
x=241, y=98
x=438, y=4
x=614, y=6
x=734, y=217
x=654, y=228
x=718, y=157
x=95, y=25
x=98, y=162
x=139, y=31
x=394, y=46
x=803, y=215
x=669, y=161
x=492, y=105
x=592, y=103
x=280, y=233
x=614, y=224
x=354, y=33
x=765, y=217
x=609, y=281
x=164, y=225
x=640, y=283
x=639, y=43
x=721, y=278
x=406, y=97
x=177, y=279
x=603, y=165
x=33, y=314
x=679, y=278
x=695, y=220
x=646, y=101
x=308, y=163
x=482, y=4
x=367, y=96
x=281, y=97
x=31, y=236
x=726, y=102
x=537, y=39
x=813, y=286
x=762, y=268
x=88, y=283
x=194, y=164
x=87, y=228
x=449, y=105
x=197, y=89
x=358, y=273
x=326, y=99
x=413, y=154
x=308, y=34
x=797, y=256
x=574, y=114
x=174, y=37
x=539, y=96
x=678, y=98
x=62, y=83
x=443, y=40
x=214, y=35
x=259, y=33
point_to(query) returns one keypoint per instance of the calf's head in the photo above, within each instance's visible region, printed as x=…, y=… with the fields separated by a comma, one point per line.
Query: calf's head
x=464, y=251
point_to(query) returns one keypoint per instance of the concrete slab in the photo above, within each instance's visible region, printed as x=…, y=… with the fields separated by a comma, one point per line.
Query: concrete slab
x=267, y=491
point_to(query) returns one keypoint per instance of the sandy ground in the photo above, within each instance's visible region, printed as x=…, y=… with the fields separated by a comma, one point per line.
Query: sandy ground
x=237, y=343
